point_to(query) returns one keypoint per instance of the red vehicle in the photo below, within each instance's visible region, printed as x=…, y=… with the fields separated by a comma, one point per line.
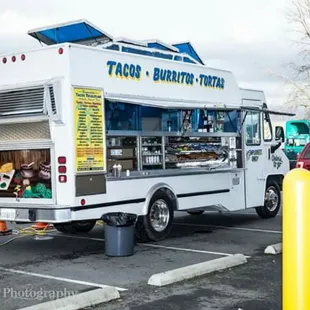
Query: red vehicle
x=303, y=160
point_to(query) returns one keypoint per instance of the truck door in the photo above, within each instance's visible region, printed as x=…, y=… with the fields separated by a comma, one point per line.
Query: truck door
x=274, y=156
x=254, y=159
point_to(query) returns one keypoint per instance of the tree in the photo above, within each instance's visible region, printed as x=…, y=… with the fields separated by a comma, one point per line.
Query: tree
x=298, y=79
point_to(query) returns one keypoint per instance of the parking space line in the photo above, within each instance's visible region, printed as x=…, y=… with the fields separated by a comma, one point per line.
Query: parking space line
x=253, y=213
x=75, y=237
x=188, y=250
x=153, y=246
x=38, y=275
x=231, y=228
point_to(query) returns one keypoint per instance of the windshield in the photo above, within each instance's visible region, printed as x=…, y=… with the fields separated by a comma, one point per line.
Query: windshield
x=297, y=129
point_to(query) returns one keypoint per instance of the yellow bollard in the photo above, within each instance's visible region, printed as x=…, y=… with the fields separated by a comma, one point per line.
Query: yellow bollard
x=296, y=240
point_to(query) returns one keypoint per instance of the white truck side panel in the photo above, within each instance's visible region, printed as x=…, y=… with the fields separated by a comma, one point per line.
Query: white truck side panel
x=180, y=185
x=252, y=97
x=94, y=72
x=39, y=67
x=89, y=68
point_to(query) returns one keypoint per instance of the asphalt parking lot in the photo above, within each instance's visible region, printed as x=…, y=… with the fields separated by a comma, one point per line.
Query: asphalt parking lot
x=64, y=265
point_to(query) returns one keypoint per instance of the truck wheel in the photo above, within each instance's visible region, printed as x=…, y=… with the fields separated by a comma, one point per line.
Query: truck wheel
x=157, y=224
x=76, y=227
x=272, y=201
x=195, y=212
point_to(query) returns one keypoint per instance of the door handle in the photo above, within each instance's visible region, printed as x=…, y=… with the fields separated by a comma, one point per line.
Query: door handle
x=269, y=153
x=275, y=147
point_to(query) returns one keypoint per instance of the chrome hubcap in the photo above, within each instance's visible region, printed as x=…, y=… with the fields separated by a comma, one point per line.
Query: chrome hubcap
x=159, y=215
x=271, y=198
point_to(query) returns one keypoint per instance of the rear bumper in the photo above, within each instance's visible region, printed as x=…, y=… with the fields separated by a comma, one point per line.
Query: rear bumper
x=34, y=213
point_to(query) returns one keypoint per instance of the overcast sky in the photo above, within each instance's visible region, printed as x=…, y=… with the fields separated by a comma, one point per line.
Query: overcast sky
x=249, y=37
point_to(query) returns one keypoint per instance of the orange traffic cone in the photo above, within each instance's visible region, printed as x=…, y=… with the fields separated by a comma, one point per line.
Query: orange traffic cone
x=4, y=229
x=42, y=226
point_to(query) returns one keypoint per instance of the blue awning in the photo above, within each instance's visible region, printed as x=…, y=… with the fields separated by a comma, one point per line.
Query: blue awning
x=161, y=46
x=130, y=42
x=81, y=32
x=188, y=49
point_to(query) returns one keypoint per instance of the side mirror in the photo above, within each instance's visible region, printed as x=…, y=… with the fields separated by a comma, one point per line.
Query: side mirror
x=280, y=133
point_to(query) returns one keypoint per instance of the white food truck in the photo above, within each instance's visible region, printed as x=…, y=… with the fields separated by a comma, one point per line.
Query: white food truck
x=90, y=124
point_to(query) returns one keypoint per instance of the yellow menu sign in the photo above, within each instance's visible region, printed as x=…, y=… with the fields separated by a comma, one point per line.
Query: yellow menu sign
x=89, y=130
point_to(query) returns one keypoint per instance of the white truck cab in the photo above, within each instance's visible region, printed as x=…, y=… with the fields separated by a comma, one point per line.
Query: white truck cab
x=266, y=162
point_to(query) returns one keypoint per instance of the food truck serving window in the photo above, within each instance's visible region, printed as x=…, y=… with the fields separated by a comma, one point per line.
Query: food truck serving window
x=144, y=137
x=131, y=117
x=122, y=116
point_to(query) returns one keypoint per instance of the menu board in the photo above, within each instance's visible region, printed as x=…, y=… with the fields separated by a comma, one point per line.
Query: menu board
x=89, y=130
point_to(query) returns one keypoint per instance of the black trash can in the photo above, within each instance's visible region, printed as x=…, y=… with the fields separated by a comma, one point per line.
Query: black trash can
x=119, y=230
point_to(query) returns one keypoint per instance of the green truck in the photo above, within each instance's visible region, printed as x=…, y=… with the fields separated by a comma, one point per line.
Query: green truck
x=297, y=135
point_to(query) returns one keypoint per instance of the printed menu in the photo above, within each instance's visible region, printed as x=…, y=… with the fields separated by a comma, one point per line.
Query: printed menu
x=89, y=130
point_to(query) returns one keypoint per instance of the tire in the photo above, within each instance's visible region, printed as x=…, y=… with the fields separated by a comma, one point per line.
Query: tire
x=196, y=212
x=76, y=227
x=272, y=201
x=146, y=228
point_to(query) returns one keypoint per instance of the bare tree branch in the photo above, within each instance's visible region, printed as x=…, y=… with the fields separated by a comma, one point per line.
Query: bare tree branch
x=298, y=81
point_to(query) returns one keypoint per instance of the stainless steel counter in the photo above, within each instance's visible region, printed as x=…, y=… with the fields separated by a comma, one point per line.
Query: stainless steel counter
x=171, y=173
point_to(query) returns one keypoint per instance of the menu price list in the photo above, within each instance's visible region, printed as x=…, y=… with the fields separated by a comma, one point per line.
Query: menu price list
x=89, y=130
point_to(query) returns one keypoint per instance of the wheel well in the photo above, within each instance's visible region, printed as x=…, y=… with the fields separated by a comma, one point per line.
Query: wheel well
x=170, y=194
x=278, y=178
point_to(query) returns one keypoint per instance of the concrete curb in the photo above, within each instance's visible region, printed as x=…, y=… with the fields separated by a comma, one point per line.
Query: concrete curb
x=274, y=249
x=196, y=270
x=79, y=301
